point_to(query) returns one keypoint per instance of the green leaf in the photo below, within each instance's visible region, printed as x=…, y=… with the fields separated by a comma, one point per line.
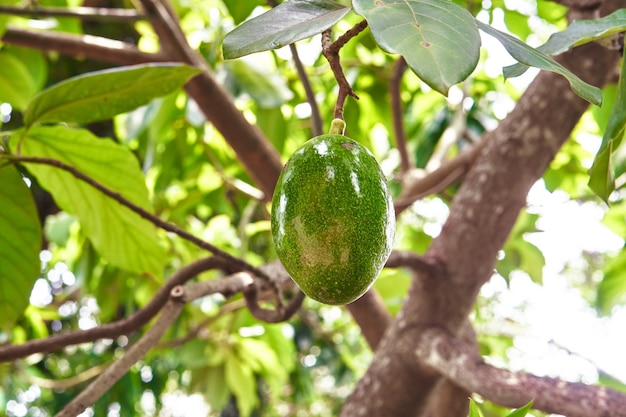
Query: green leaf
x=530, y=56
x=119, y=234
x=16, y=83
x=286, y=23
x=578, y=33
x=102, y=94
x=474, y=411
x=241, y=381
x=20, y=242
x=438, y=38
x=521, y=412
x=601, y=173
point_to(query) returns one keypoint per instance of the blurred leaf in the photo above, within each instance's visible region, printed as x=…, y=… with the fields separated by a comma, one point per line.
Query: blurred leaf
x=241, y=381
x=20, y=242
x=216, y=391
x=438, y=38
x=240, y=10
x=286, y=23
x=610, y=381
x=517, y=23
x=17, y=86
x=578, y=33
x=119, y=234
x=613, y=285
x=264, y=85
x=532, y=57
x=519, y=254
x=602, y=174
x=102, y=94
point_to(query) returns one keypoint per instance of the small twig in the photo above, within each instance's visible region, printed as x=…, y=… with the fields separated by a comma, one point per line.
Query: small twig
x=396, y=113
x=115, y=329
x=156, y=220
x=92, y=14
x=62, y=384
x=438, y=180
x=330, y=50
x=137, y=351
x=411, y=260
x=317, y=125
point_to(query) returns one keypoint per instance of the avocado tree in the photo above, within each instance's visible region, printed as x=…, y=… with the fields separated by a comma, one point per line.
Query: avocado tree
x=141, y=146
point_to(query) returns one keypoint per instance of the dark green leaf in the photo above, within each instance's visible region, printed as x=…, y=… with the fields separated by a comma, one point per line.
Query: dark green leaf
x=438, y=38
x=578, y=33
x=120, y=235
x=286, y=23
x=20, y=242
x=601, y=173
x=101, y=95
x=532, y=57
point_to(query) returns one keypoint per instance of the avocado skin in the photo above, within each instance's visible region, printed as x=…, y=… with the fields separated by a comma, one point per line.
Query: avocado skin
x=333, y=220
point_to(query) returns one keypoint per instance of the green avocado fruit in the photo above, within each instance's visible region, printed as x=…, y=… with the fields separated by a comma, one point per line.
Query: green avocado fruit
x=333, y=220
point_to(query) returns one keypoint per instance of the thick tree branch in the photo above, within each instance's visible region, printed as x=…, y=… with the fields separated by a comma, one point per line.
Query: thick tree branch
x=482, y=214
x=460, y=362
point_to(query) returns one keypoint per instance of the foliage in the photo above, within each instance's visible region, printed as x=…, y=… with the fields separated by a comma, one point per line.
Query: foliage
x=132, y=130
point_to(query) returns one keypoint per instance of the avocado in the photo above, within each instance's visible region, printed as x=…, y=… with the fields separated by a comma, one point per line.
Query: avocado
x=333, y=220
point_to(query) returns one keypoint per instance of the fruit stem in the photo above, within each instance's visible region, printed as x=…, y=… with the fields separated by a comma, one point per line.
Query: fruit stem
x=337, y=127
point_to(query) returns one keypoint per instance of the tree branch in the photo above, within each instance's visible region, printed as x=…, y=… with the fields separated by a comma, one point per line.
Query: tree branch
x=330, y=50
x=115, y=329
x=258, y=156
x=317, y=124
x=460, y=362
x=396, y=113
x=154, y=219
x=90, y=14
x=137, y=351
x=87, y=46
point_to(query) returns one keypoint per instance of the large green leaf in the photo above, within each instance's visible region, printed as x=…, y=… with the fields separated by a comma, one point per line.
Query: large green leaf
x=119, y=234
x=578, y=33
x=286, y=23
x=438, y=38
x=534, y=58
x=601, y=173
x=20, y=242
x=101, y=95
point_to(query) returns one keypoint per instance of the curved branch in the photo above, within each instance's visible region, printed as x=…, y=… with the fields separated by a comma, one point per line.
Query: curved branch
x=115, y=329
x=460, y=362
x=317, y=124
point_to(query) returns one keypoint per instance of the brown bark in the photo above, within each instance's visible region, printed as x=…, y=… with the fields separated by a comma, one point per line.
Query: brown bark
x=399, y=382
